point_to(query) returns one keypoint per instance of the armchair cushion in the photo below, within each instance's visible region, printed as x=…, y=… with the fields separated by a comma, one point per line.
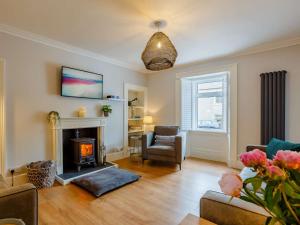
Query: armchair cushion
x=165, y=140
x=277, y=144
x=163, y=150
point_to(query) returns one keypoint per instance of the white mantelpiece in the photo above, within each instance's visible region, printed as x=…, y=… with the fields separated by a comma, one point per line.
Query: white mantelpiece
x=72, y=123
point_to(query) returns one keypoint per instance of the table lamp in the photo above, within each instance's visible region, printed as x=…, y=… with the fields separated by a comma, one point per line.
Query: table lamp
x=148, y=120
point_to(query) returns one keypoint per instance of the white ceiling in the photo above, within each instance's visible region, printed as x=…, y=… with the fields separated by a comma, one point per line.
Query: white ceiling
x=120, y=29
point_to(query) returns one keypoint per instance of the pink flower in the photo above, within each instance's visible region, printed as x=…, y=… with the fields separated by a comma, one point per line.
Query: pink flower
x=276, y=173
x=269, y=162
x=287, y=159
x=231, y=184
x=254, y=158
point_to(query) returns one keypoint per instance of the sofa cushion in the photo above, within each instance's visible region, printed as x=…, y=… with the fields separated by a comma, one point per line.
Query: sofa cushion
x=165, y=140
x=162, y=150
x=3, y=184
x=277, y=144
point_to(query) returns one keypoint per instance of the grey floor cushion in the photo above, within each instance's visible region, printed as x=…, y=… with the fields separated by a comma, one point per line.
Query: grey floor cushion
x=106, y=180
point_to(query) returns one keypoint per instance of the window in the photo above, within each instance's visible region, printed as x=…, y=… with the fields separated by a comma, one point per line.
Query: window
x=204, y=102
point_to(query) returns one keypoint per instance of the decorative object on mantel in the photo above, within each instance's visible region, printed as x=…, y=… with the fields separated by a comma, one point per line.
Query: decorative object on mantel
x=82, y=111
x=81, y=84
x=274, y=187
x=159, y=53
x=42, y=173
x=53, y=117
x=106, y=110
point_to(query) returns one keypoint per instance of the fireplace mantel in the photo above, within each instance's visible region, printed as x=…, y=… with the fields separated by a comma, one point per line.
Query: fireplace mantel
x=72, y=123
x=77, y=122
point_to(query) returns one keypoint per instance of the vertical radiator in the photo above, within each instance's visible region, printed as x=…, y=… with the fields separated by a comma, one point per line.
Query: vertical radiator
x=272, y=106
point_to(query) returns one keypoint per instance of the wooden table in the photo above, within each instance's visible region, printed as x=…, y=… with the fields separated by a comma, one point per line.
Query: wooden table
x=195, y=220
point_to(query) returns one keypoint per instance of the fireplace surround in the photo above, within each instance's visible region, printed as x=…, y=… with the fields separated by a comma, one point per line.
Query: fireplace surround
x=58, y=127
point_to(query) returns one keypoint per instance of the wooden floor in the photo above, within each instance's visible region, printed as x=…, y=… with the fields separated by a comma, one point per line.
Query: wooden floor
x=163, y=196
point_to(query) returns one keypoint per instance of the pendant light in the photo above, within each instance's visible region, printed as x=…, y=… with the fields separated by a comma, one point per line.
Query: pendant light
x=159, y=53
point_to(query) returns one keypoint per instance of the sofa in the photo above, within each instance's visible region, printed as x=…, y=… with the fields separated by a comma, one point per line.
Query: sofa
x=217, y=207
x=171, y=148
x=19, y=202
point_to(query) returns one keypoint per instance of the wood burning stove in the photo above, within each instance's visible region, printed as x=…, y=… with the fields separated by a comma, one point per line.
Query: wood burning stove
x=84, y=152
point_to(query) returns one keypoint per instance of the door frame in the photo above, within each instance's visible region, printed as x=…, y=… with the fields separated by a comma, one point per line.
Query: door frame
x=2, y=119
x=134, y=87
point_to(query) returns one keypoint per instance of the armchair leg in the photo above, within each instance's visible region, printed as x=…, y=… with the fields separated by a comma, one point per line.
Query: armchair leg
x=179, y=166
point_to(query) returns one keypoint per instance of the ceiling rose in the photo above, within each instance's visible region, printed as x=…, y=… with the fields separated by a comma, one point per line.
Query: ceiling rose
x=159, y=53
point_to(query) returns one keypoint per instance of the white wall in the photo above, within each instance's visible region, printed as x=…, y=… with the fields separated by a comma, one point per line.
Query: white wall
x=33, y=89
x=161, y=88
x=207, y=145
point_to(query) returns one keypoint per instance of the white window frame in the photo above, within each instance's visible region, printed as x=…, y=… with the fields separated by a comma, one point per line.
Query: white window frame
x=232, y=121
x=195, y=96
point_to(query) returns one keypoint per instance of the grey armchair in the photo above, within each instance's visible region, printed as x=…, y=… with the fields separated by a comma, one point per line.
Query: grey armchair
x=20, y=202
x=172, y=152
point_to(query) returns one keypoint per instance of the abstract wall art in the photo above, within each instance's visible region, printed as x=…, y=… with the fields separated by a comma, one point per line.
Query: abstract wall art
x=81, y=84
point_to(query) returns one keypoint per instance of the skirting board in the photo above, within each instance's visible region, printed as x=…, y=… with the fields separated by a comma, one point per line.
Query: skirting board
x=110, y=157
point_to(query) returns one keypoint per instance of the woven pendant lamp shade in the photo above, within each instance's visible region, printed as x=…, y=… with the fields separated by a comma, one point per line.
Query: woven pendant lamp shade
x=159, y=53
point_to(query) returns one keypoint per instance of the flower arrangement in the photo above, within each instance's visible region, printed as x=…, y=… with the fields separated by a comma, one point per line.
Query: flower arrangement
x=280, y=196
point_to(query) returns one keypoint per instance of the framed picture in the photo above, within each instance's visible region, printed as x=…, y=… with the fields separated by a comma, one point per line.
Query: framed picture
x=81, y=84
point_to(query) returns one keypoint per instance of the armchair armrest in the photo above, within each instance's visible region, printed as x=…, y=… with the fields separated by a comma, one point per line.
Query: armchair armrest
x=20, y=202
x=217, y=208
x=146, y=142
x=260, y=147
x=180, y=146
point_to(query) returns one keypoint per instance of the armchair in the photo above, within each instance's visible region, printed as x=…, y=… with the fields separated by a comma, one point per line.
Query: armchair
x=20, y=202
x=172, y=146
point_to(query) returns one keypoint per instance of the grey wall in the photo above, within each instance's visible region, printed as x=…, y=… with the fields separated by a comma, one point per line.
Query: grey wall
x=32, y=90
x=161, y=87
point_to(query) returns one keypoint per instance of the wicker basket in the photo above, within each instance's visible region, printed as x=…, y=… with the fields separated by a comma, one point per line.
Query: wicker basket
x=42, y=176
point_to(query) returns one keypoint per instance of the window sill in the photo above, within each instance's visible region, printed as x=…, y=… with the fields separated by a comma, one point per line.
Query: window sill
x=215, y=132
